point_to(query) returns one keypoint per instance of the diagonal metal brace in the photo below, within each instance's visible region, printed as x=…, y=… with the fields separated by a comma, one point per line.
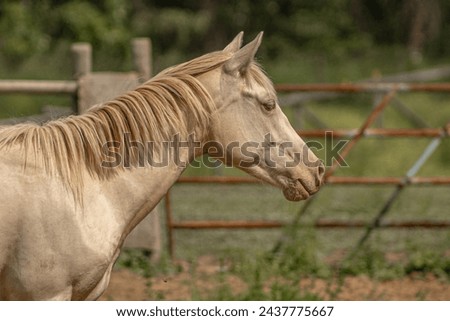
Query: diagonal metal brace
x=429, y=150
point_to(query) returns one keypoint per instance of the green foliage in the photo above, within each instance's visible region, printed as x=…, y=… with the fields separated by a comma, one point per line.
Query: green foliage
x=333, y=33
x=266, y=280
x=83, y=21
x=276, y=276
x=371, y=261
x=21, y=28
x=36, y=27
x=343, y=28
x=428, y=262
x=135, y=260
x=298, y=255
x=138, y=261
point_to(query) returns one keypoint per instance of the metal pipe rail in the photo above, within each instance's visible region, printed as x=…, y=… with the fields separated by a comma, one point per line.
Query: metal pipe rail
x=70, y=87
x=321, y=223
x=367, y=87
x=376, y=132
x=354, y=135
x=335, y=180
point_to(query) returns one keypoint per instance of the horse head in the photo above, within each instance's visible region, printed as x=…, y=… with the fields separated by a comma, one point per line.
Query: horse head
x=249, y=130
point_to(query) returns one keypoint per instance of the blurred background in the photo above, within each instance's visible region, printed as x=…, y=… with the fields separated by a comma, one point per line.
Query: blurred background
x=379, y=34
x=304, y=42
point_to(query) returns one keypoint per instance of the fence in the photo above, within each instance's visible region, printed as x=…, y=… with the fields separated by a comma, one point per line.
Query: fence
x=141, y=53
x=82, y=60
x=388, y=92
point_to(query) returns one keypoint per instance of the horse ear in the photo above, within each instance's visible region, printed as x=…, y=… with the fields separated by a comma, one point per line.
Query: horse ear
x=234, y=45
x=242, y=58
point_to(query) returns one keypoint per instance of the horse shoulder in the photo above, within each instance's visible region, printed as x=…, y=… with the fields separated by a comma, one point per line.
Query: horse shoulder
x=71, y=246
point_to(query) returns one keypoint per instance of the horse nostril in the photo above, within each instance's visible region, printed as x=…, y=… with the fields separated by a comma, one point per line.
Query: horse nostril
x=320, y=174
x=321, y=169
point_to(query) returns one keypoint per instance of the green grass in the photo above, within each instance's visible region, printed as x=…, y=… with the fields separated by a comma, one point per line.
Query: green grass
x=214, y=202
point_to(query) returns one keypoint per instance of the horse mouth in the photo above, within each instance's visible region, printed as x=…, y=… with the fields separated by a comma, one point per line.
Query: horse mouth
x=295, y=191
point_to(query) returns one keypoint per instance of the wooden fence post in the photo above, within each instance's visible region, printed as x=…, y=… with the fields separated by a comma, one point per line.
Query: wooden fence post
x=82, y=66
x=99, y=87
x=142, y=57
x=82, y=59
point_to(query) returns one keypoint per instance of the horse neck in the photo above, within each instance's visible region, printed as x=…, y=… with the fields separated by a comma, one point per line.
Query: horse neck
x=134, y=193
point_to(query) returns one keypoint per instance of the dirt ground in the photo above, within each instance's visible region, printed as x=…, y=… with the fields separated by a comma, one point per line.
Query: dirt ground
x=128, y=286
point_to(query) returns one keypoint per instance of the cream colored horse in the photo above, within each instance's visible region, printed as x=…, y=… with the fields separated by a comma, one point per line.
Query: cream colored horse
x=74, y=188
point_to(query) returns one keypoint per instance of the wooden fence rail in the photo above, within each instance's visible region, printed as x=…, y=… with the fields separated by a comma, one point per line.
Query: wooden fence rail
x=53, y=87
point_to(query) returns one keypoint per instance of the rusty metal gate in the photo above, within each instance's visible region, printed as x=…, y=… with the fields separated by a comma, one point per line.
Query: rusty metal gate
x=387, y=92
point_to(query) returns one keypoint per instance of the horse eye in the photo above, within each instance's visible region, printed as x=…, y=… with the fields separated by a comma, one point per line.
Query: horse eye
x=269, y=105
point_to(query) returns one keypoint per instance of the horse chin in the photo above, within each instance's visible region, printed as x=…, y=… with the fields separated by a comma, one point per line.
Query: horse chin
x=294, y=190
x=295, y=194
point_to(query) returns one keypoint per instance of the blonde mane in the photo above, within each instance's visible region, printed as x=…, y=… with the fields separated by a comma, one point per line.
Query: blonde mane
x=173, y=102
